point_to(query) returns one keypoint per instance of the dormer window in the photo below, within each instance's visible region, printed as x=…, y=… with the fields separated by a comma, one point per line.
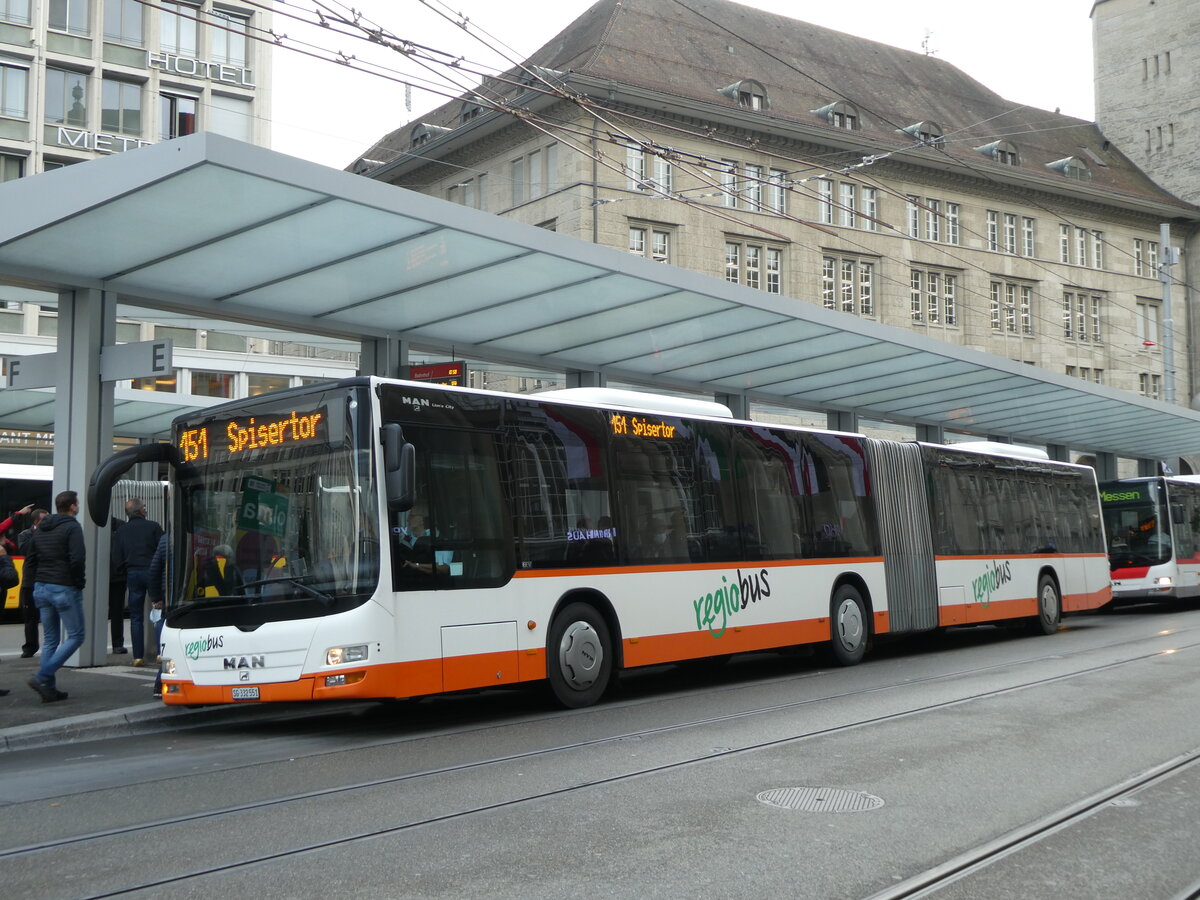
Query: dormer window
x=1072, y=167
x=840, y=115
x=423, y=133
x=749, y=94
x=470, y=111
x=928, y=133
x=1003, y=152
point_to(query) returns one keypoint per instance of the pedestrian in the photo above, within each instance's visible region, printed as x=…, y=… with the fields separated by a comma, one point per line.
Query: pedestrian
x=156, y=593
x=136, y=542
x=29, y=610
x=9, y=578
x=56, y=563
x=116, y=589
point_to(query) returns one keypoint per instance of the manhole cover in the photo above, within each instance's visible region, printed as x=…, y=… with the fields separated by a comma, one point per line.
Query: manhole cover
x=820, y=799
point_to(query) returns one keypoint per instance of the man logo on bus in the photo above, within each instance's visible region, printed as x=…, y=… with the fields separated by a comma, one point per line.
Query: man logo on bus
x=729, y=599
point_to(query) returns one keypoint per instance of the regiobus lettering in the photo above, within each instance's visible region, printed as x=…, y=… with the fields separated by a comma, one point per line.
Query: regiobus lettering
x=373, y=538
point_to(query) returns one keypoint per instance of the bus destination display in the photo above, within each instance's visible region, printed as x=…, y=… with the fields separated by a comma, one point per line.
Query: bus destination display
x=637, y=426
x=237, y=437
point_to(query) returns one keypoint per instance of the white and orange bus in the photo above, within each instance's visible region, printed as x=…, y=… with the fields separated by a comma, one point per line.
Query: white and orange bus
x=373, y=538
x=1153, y=527
x=21, y=485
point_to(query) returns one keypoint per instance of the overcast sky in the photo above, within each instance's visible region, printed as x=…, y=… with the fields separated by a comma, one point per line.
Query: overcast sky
x=1033, y=52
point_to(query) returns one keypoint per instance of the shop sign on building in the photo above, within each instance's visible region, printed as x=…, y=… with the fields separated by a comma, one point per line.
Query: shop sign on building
x=97, y=141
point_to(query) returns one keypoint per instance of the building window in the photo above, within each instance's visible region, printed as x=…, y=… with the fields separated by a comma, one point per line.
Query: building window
x=228, y=37
x=933, y=220
x=222, y=340
x=121, y=107
x=934, y=297
x=1011, y=243
x=469, y=111
x=870, y=208
x=165, y=383
x=123, y=22
x=177, y=116
x=1150, y=385
x=66, y=97
x=15, y=11
x=825, y=201
x=1005, y=153
x=848, y=285
x=70, y=16
x=232, y=117
x=729, y=188
x=753, y=186
x=1145, y=258
x=1082, y=317
x=1028, y=243
x=1081, y=247
x=1010, y=234
x=1098, y=249
x=533, y=172
x=1071, y=167
x=748, y=93
x=1064, y=243
x=264, y=384
x=847, y=194
x=212, y=384
x=14, y=91
x=652, y=243
x=11, y=167
x=177, y=29
x=754, y=265
x=952, y=223
x=928, y=133
x=777, y=191
x=1149, y=314
x=1011, y=307
x=471, y=192
x=912, y=214
x=1086, y=373
x=993, y=230
x=841, y=115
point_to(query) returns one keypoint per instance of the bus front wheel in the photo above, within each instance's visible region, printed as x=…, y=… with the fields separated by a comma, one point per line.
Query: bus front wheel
x=848, y=626
x=1049, y=607
x=579, y=656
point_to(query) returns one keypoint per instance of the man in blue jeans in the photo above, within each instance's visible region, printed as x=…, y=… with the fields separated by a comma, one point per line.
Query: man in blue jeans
x=135, y=543
x=56, y=565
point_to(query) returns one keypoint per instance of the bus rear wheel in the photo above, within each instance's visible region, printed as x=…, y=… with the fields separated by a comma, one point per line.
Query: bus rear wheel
x=579, y=656
x=1049, y=607
x=848, y=626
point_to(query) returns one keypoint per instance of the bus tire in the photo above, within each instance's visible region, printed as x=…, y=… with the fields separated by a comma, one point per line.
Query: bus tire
x=579, y=656
x=1049, y=607
x=848, y=626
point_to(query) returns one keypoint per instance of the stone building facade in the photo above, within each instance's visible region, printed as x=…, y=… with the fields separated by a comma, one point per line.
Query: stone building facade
x=1147, y=81
x=826, y=169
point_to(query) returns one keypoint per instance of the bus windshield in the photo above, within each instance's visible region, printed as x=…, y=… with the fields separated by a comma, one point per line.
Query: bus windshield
x=278, y=517
x=1136, y=522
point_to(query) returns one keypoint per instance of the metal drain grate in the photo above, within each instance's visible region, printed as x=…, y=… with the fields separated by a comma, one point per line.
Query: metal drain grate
x=820, y=799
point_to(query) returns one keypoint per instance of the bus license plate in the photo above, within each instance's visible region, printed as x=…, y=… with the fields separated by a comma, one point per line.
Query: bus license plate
x=245, y=693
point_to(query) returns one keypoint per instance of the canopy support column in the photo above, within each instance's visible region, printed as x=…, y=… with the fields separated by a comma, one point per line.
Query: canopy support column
x=83, y=426
x=386, y=357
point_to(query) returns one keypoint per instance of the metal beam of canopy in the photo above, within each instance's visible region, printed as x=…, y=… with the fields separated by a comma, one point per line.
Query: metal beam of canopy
x=213, y=226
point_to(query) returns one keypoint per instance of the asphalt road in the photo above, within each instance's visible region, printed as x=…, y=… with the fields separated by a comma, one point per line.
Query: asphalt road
x=980, y=764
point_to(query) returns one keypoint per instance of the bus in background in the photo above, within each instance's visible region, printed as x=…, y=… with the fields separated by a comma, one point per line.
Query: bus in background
x=1153, y=527
x=21, y=485
x=373, y=538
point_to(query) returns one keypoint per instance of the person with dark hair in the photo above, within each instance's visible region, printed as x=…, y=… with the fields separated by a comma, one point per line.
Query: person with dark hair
x=29, y=610
x=135, y=544
x=56, y=564
x=116, y=589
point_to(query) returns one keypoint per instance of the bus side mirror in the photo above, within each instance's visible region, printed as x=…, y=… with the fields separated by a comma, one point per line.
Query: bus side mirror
x=99, y=492
x=399, y=468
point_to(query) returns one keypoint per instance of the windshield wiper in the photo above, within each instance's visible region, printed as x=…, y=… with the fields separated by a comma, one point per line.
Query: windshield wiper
x=326, y=599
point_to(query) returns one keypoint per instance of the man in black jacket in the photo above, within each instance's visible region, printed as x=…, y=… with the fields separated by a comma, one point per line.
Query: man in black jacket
x=56, y=565
x=135, y=544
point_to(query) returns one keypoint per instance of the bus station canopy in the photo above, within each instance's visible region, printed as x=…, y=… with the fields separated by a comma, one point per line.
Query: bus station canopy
x=215, y=227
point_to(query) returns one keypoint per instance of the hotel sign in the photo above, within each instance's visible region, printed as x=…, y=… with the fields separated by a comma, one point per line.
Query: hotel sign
x=195, y=68
x=97, y=141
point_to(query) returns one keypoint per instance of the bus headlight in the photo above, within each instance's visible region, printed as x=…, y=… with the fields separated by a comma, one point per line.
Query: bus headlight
x=336, y=656
x=1163, y=580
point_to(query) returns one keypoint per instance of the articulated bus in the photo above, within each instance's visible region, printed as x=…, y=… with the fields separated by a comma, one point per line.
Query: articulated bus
x=373, y=538
x=1153, y=527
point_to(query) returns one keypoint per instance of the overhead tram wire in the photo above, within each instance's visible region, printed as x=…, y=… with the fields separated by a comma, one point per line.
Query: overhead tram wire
x=276, y=40
x=834, y=92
